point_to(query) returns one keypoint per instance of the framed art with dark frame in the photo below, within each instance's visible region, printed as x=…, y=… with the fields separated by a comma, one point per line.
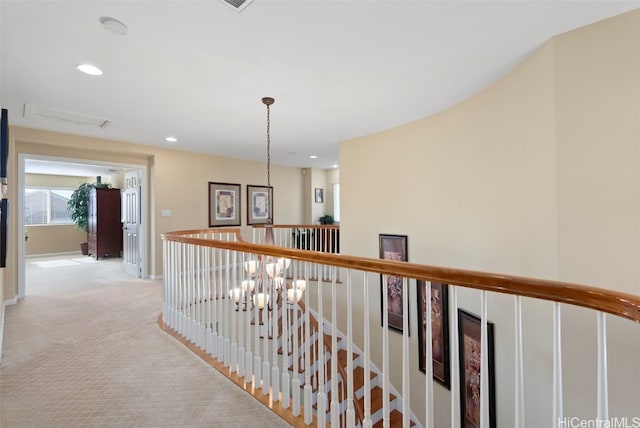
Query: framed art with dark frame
x=392, y=247
x=469, y=342
x=439, y=330
x=319, y=195
x=259, y=204
x=224, y=204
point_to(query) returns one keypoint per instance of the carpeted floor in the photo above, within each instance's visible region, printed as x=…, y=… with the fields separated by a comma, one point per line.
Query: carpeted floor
x=83, y=349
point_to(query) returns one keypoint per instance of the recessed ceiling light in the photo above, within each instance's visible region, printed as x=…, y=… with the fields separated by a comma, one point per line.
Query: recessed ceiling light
x=313, y=157
x=171, y=139
x=335, y=165
x=89, y=69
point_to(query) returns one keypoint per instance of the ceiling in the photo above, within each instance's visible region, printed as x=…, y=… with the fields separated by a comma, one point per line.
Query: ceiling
x=196, y=70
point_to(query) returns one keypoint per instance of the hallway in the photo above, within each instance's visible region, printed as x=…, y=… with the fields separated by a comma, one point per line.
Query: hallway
x=84, y=349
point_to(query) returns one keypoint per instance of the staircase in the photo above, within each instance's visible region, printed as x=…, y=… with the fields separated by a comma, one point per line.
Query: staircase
x=323, y=378
x=318, y=378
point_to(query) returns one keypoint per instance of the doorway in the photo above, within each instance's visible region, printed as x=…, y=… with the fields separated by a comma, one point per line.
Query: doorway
x=134, y=256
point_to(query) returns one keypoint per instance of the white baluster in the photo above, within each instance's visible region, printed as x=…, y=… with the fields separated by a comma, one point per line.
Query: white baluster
x=239, y=319
x=558, y=412
x=308, y=415
x=603, y=387
x=165, y=279
x=227, y=315
x=184, y=288
x=284, y=345
x=197, y=303
x=214, y=306
x=385, y=351
x=335, y=410
x=209, y=300
x=193, y=323
x=257, y=362
x=232, y=312
x=170, y=284
x=321, y=401
x=247, y=313
x=295, y=382
x=351, y=414
x=266, y=381
x=428, y=353
x=454, y=357
x=221, y=302
x=188, y=306
x=367, y=423
x=519, y=375
x=406, y=412
x=237, y=283
x=275, y=369
x=484, y=364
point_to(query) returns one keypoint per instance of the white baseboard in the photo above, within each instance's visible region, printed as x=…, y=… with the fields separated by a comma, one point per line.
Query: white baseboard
x=10, y=302
x=2, y=311
x=69, y=253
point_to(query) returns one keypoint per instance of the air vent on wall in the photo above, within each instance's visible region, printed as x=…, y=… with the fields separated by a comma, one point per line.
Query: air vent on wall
x=33, y=111
x=238, y=5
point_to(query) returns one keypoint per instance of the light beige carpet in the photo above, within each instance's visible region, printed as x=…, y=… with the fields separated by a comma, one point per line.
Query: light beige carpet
x=84, y=349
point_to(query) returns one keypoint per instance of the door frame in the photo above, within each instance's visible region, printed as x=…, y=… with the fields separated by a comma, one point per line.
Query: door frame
x=144, y=210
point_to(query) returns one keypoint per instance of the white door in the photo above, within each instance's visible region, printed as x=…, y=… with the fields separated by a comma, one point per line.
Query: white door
x=131, y=223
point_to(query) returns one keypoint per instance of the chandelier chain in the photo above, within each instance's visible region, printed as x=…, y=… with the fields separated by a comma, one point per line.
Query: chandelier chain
x=268, y=151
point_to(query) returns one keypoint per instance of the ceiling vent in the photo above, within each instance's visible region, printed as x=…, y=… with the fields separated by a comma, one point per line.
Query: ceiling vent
x=237, y=5
x=33, y=111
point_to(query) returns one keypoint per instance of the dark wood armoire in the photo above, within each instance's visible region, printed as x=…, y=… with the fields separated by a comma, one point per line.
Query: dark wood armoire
x=104, y=228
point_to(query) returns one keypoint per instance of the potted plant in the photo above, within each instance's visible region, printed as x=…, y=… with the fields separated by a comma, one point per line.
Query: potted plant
x=78, y=206
x=326, y=219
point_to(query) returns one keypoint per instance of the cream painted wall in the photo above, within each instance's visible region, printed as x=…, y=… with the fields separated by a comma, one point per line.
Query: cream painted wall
x=177, y=180
x=598, y=142
x=318, y=181
x=57, y=238
x=313, y=178
x=537, y=175
x=307, y=195
x=53, y=238
x=332, y=177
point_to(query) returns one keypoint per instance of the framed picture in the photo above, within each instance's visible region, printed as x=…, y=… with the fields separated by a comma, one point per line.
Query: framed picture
x=469, y=341
x=439, y=330
x=319, y=195
x=392, y=247
x=224, y=204
x=259, y=204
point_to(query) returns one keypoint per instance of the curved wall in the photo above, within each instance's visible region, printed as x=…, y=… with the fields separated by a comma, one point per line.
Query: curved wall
x=537, y=175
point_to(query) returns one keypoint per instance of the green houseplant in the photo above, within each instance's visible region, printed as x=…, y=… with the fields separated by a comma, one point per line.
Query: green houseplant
x=78, y=206
x=326, y=219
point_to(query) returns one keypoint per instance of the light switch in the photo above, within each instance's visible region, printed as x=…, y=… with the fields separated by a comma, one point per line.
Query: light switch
x=165, y=213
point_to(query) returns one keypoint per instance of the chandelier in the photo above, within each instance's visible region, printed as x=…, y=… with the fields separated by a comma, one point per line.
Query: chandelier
x=267, y=276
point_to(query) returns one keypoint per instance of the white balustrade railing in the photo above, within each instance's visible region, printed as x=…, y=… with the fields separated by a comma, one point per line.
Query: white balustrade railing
x=265, y=314
x=313, y=237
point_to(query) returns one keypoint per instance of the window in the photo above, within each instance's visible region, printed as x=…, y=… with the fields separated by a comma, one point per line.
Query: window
x=336, y=202
x=46, y=206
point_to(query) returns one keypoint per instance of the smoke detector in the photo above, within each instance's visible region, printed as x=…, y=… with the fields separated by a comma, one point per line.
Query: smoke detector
x=113, y=25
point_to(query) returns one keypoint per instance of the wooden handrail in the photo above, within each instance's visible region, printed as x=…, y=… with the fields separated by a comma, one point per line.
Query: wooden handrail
x=233, y=230
x=613, y=302
x=298, y=226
